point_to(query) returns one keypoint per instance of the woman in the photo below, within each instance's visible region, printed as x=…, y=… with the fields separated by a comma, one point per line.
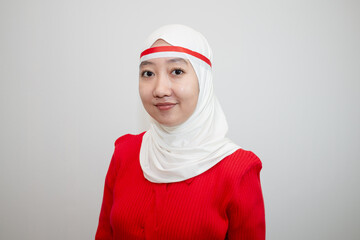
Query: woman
x=182, y=179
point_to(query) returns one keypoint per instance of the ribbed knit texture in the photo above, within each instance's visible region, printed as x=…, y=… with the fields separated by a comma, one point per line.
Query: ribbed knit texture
x=224, y=202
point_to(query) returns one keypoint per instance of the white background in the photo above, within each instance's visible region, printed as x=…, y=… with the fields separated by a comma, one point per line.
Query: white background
x=287, y=74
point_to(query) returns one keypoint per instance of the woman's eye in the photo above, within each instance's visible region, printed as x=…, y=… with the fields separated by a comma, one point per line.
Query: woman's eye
x=177, y=72
x=147, y=74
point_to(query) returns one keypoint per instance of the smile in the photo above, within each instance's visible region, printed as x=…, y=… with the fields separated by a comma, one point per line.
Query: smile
x=165, y=106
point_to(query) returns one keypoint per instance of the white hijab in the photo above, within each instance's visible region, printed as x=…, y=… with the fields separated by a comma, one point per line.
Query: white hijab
x=174, y=154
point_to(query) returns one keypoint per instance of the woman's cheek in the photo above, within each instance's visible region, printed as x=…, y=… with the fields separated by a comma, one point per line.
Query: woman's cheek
x=184, y=91
x=143, y=90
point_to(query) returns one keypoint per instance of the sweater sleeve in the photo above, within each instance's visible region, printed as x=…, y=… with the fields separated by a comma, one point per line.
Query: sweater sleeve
x=104, y=230
x=246, y=211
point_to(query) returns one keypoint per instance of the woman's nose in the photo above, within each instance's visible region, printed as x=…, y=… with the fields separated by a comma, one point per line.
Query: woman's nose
x=162, y=86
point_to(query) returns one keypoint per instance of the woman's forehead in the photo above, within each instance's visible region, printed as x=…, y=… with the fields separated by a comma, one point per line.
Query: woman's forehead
x=165, y=60
x=160, y=42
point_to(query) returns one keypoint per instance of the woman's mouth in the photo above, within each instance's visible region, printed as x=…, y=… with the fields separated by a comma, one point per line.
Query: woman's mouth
x=165, y=106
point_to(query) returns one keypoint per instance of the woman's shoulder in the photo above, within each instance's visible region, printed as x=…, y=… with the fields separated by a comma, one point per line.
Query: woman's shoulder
x=246, y=156
x=240, y=162
x=127, y=146
x=128, y=139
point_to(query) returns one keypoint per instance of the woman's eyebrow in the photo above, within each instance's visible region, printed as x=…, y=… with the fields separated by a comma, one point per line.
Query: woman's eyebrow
x=173, y=60
x=146, y=63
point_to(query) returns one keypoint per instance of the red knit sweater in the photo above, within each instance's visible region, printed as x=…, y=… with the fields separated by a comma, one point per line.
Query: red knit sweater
x=225, y=202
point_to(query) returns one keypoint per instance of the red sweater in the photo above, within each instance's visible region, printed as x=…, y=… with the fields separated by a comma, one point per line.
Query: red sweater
x=225, y=202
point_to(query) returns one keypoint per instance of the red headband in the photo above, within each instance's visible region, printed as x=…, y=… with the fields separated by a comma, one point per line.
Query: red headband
x=175, y=49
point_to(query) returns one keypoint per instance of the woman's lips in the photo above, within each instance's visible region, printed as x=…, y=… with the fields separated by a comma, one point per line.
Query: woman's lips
x=165, y=106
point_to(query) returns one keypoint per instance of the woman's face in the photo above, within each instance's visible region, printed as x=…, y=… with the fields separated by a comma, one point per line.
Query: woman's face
x=168, y=88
